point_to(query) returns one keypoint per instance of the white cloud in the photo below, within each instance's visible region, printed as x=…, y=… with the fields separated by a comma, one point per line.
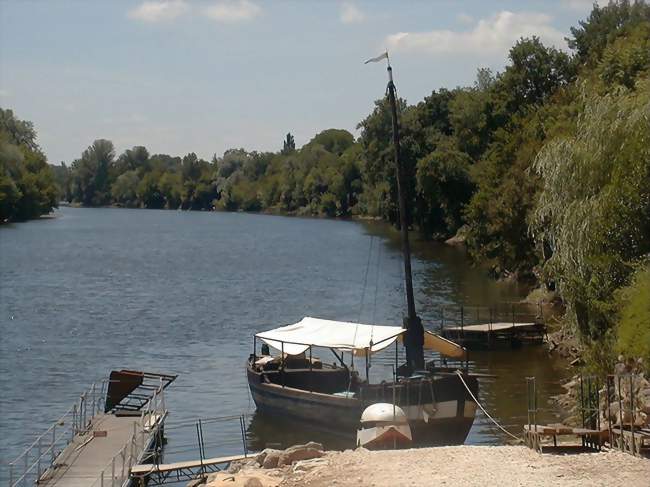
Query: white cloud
x=159, y=10
x=4, y=93
x=351, y=14
x=493, y=35
x=232, y=11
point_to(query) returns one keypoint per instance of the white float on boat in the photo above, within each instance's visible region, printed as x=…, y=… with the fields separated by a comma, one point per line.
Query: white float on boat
x=384, y=425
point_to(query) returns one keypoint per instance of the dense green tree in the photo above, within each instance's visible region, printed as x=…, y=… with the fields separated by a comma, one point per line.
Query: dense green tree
x=125, y=188
x=91, y=179
x=594, y=207
x=603, y=26
x=289, y=145
x=27, y=185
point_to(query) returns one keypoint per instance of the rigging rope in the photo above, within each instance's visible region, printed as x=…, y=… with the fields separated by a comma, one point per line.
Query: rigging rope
x=365, y=283
x=460, y=376
x=374, y=308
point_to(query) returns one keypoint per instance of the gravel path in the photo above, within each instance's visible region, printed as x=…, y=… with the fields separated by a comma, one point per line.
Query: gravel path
x=473, y=466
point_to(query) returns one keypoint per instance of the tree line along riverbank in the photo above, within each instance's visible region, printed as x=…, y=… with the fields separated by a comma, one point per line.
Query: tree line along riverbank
x=542, y=168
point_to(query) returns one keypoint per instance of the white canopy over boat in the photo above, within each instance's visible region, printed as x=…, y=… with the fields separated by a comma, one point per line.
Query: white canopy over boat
x=341, y=335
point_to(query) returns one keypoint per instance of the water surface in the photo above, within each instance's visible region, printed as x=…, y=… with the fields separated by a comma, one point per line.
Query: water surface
x=183, y=292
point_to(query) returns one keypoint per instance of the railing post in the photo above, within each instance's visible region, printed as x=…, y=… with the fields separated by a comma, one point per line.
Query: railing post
x=11, y=475
x=38, y=462
x=113, y=472
x=53, y=442
x=26, y=467
x=101, y=479
x=123, y=454
x=94, y=399
x=74, y=420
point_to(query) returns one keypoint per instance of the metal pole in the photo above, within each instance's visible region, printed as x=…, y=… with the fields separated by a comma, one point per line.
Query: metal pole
x=311, y=371
x=74, y=420
x=53, y=441
x=101, y=479
x=113, y=472
x=632, y=412
x=39, y=458
x=282, y=362
x=462, y=319
x=26, y=467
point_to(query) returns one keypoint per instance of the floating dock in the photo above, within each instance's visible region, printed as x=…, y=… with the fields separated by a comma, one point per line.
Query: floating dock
x=113, y=427
x=477, y=328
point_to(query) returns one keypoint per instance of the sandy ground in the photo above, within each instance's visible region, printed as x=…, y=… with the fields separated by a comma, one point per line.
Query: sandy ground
x=452, y=466
x=475, y=466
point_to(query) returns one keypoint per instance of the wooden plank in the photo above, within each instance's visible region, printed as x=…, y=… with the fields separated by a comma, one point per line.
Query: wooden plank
x=147, y=469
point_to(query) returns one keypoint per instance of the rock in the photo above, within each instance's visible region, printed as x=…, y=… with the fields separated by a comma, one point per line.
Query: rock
x=308, y=465
x=263, y=454
x=300, y=452
x=272, y=459
x=234, y=467
x=253, y=482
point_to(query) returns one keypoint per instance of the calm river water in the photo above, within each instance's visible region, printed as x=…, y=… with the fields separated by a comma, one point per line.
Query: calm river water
x=183, y=292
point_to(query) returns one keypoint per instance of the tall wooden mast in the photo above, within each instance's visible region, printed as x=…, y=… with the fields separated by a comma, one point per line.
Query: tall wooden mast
x=414, y=336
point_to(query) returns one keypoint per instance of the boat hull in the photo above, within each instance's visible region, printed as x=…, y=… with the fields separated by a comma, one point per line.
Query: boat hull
x=444, y=421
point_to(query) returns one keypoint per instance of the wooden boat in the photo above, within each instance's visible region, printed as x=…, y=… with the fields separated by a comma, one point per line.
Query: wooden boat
x=437, y=401
x=438, y=406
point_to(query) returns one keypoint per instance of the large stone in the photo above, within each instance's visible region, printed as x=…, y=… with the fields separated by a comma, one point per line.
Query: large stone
x=262, y=455
x=272, y=459
x=297, y=453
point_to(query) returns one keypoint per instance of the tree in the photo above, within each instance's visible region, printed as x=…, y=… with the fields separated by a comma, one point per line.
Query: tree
x=27, y=186
x=594, y=207
x=289, y=145
x=91, y=179
x=604, y=26
x=445, y=186
x=125, y=189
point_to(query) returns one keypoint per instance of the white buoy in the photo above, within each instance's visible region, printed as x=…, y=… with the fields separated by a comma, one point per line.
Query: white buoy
x=384, y=426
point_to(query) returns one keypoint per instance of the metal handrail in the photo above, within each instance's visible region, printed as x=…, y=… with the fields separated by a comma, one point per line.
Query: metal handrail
x=79, y=422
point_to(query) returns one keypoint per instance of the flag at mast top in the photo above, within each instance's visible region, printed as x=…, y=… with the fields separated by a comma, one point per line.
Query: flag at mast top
x=379, y=58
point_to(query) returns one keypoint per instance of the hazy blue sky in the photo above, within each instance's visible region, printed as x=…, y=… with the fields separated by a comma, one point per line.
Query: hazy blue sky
x=204, y=76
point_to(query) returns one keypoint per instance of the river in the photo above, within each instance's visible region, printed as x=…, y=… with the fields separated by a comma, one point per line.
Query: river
x=183, y=292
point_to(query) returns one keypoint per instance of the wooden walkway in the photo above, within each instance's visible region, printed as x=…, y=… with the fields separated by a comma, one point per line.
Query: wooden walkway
x=158, y=474
x=89, y=455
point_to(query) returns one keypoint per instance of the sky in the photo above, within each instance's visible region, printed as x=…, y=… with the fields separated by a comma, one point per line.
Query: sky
x=203, y=76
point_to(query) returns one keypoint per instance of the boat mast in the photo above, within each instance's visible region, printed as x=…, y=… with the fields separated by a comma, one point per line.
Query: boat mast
x=414, y=336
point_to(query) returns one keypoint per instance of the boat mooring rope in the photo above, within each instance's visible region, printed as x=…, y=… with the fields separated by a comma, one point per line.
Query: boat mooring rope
x=460, y=376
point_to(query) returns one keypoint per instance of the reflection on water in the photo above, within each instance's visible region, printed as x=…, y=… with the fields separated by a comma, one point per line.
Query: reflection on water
x=184, y=292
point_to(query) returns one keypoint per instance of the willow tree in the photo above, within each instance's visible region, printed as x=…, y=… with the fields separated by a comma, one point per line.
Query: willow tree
x=593, y=211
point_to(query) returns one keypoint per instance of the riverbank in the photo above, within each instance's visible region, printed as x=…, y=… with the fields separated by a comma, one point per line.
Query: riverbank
x=454, y=465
